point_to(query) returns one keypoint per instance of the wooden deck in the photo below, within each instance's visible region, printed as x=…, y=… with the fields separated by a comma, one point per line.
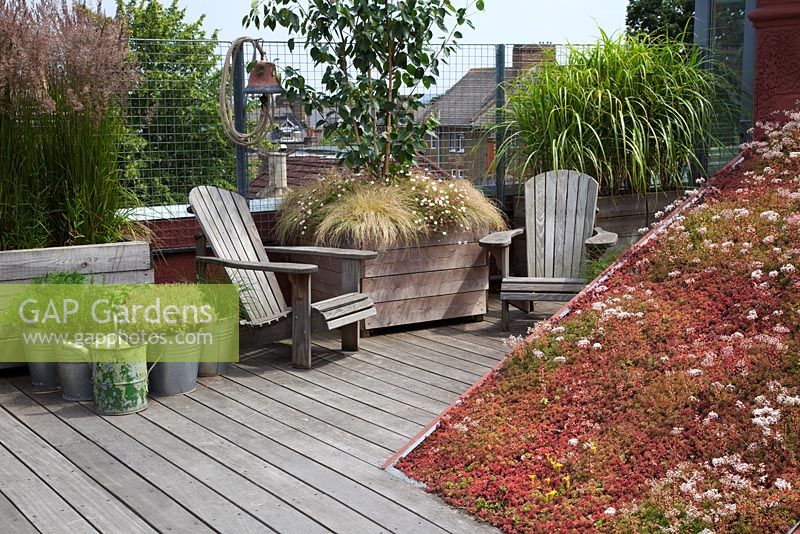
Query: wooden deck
x=264, y=449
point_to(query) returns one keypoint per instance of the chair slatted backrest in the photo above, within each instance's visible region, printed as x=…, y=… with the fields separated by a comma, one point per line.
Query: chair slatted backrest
x=559, y=213
x=229, y=228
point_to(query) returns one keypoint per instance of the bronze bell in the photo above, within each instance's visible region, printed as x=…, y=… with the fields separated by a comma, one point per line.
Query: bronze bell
x=262, y=80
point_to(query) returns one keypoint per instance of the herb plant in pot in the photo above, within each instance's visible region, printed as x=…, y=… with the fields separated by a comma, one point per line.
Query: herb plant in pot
x=172, y=339
x=44, y=357
x=217, y=353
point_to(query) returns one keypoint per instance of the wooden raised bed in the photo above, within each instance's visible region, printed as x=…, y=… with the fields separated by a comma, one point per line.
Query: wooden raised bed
x=114, y=263
x=438, y=278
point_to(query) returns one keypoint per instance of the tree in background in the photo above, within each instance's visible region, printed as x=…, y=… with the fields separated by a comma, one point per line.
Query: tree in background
x=178, y=141
x=376, y=56
x=661, y=17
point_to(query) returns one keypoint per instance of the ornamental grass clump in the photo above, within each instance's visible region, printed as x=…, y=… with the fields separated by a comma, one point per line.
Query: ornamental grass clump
x=668, y=398
x=64, y=73
x=347, y=210
x=631, y=111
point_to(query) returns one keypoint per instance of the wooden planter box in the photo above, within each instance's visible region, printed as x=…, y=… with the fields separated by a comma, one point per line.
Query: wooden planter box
x=113, y=263
x=438, y=278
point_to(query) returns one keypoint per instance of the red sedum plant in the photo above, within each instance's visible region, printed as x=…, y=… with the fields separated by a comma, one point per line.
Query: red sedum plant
x=668, y=400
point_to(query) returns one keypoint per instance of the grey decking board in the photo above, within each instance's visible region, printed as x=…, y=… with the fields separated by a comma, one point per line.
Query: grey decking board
x=99, y=507
x=322, y=466
x=136, y=492
x=256, y=501
x=403, y=353
x=313, y=391
x=40, y=504
x=459, y=342
x=377, y=385
x=493, y=345
x=304, y=498
x=276, y=432
x=387, y=375
x=378, y=355
x=360, y=394
x=316, y=410
x=202, y=501
x=302, y=423
x=14, y=521
x=453, y=356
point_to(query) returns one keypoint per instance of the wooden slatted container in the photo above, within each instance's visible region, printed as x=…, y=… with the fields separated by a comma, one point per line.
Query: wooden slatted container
x=113, y=263
x=438, y=278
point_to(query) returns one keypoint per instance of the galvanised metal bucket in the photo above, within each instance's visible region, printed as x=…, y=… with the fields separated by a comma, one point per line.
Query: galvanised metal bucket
x=174, y=377
x=222, y=348
x=44, y=374
x=76, y=380
x=120, y=381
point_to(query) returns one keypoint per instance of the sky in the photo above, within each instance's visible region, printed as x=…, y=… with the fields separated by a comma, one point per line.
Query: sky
x=503, y=21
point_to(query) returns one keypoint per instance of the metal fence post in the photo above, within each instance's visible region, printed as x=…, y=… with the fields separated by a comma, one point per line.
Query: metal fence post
x=499, y=134
x=240, y=120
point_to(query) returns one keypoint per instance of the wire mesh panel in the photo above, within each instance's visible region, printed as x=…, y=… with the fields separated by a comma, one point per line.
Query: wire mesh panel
x=177, y=142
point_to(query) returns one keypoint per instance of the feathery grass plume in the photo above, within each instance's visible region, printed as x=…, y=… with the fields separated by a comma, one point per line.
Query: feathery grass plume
x=629, y=110
x=371, y=216
x=349, y=210
x=65, y=70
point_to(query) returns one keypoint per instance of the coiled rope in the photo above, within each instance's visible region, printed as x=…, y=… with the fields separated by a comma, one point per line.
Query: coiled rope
x=226, y=108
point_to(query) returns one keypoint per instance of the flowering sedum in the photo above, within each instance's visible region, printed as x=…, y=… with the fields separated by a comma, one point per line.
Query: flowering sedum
x=669, y=399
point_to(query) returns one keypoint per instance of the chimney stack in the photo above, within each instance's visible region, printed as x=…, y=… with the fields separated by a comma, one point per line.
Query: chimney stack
x=527, y=56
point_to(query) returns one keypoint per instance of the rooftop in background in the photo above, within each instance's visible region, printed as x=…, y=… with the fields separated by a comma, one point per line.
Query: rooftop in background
x=310, y=164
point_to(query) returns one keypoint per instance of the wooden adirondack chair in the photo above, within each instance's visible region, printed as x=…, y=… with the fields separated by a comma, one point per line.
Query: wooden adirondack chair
x=560, y=210
x=228, y=227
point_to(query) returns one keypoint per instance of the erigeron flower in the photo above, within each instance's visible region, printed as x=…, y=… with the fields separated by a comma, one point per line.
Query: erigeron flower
x=694, y=372
x=597, y=346
x=583, y=343
x=740, y=213
x=757, y=274
x=770, y=215
x=788, y=268
x=765, y=417
x=752, y=315
x=560, y=359
x=610, y=511
x=573, y=442
x=712, y=416
x=783, y=485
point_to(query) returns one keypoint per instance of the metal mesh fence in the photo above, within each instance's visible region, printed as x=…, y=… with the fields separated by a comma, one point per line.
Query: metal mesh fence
x=176, y=140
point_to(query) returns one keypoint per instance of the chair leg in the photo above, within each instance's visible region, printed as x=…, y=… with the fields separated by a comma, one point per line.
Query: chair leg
x=351, y=335
x=301, y=320
x=504, y=315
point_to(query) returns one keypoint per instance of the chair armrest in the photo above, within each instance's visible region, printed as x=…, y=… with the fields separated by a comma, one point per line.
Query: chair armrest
x=602, y=238
x=599, y=243
x=500, y=239
x=325, y=252
x=291, y=268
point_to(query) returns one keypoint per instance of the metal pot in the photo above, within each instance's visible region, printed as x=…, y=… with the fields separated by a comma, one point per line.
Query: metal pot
x=173, y=377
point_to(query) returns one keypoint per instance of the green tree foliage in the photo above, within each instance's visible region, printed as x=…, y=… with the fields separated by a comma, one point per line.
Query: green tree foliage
x=173, y=112
x=376, y=56
x=661, y=17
